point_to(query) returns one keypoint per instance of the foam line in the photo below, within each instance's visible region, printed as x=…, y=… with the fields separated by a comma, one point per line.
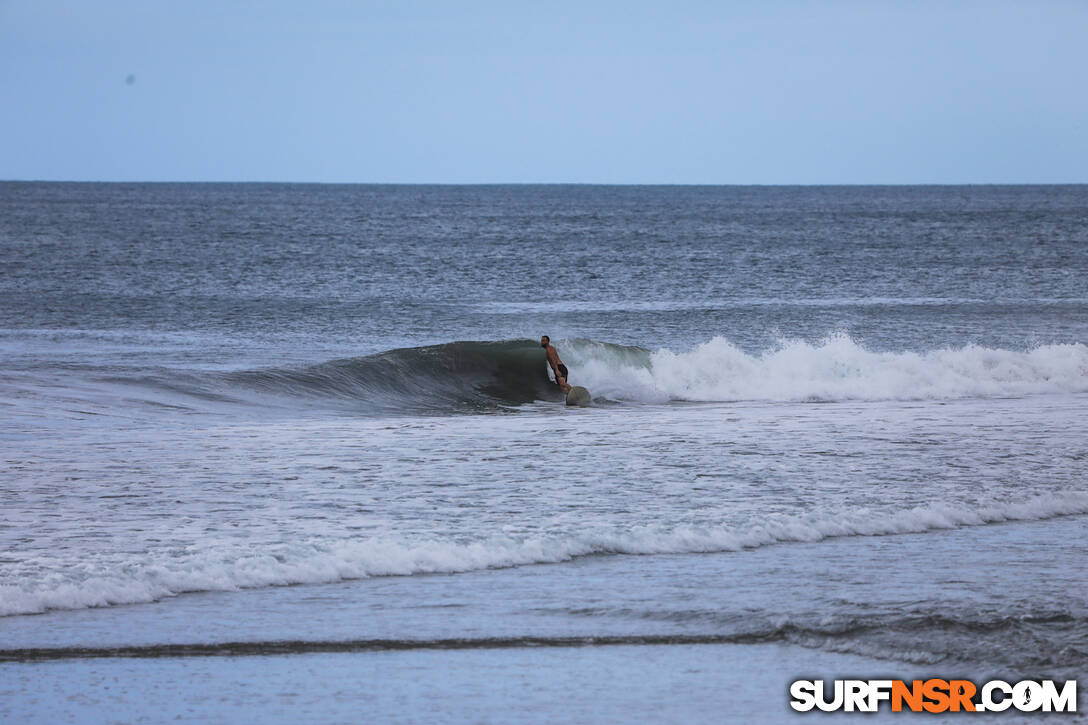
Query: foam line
x=152, y=579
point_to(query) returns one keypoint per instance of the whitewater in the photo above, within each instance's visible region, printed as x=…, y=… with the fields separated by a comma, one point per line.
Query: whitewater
x=837, y=368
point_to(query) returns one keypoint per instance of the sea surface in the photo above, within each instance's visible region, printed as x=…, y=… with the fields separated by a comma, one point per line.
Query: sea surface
x=255, y=435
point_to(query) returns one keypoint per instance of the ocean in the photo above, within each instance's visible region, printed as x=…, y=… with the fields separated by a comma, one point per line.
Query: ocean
x=291, y=452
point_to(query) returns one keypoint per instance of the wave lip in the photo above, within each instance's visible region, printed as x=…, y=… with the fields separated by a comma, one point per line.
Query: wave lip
x=321, y=562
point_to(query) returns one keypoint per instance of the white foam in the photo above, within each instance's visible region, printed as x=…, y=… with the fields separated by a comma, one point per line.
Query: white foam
x=316, y=562
x=836, y=369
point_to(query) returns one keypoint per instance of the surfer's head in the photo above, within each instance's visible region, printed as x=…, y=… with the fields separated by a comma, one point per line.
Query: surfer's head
x=545, y=340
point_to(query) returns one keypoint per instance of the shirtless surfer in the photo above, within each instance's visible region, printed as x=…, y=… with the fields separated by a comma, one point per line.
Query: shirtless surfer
x=558, y=367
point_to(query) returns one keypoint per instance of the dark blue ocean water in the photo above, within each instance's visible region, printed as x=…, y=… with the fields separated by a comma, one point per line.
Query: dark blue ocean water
x=208, y=392
x=370, y=268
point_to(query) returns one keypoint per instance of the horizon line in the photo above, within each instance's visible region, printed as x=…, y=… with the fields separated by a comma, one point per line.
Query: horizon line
x=550, y=183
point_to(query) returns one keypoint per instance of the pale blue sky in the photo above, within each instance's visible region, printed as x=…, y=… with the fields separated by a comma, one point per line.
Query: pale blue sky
x=775, y=92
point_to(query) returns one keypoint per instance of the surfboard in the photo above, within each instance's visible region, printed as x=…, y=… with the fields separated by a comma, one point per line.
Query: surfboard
x=578, y=396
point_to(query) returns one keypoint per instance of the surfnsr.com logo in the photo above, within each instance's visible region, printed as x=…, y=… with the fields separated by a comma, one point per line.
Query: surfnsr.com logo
x=934, y=695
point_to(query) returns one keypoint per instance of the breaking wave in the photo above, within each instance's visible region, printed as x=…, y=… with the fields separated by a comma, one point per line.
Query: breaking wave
x=320, y=562
x=459, y=377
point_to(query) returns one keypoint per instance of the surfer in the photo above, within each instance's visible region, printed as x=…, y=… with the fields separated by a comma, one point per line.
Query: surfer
x=558, y=367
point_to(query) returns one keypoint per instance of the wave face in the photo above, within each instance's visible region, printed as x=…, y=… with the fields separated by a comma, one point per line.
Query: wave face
x=318, y=561
x=836, y=369
x=451, y=377
x=455, y=375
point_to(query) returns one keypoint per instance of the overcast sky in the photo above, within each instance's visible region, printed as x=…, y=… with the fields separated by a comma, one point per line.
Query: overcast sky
x=760, y=92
